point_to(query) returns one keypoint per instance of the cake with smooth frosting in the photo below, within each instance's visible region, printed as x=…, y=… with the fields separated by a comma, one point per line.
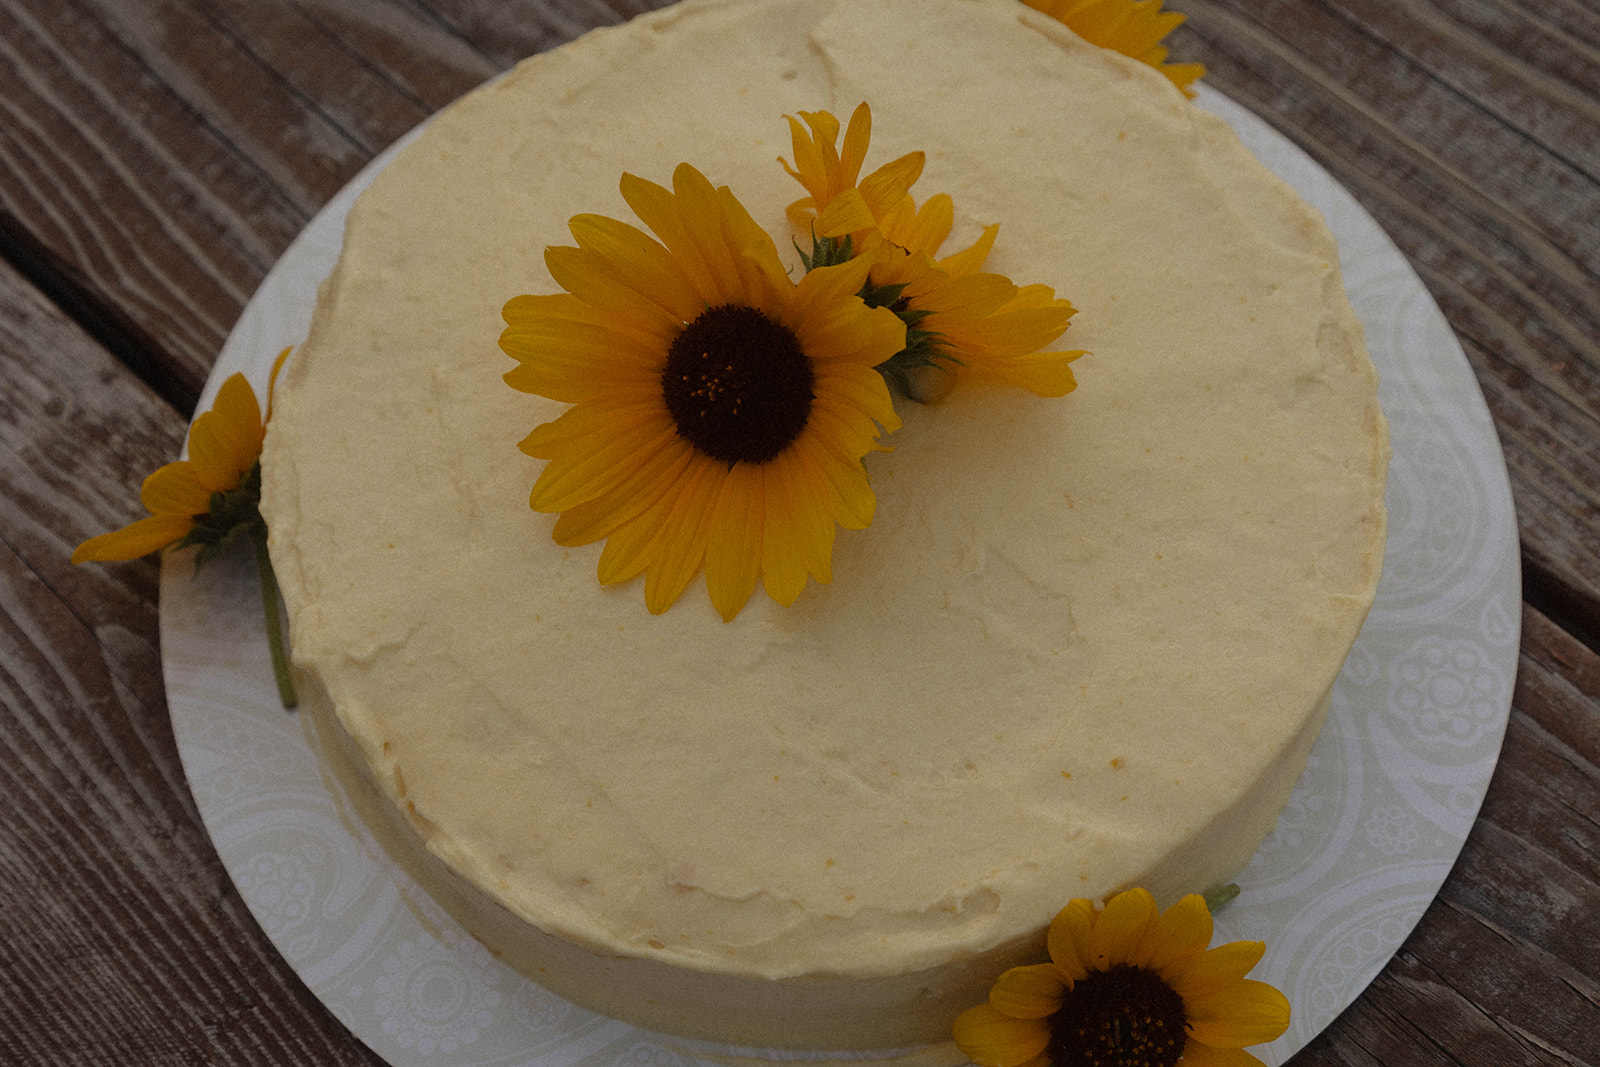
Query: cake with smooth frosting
x=1085, y=644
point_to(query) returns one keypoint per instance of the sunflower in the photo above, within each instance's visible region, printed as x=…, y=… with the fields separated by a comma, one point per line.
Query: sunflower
x=720, y=410
x=211, y=499
x=961, y=322
x=1133, y=27
x=1128, y=985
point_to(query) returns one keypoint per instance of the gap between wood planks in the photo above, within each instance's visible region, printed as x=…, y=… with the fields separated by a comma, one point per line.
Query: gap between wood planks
x=80, y=302
x=1570, y=608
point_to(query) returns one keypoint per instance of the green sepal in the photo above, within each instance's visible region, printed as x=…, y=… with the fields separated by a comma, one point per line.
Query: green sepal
x=1221, y=897
x=233, y=514
x=826, y=251
x=924, y=348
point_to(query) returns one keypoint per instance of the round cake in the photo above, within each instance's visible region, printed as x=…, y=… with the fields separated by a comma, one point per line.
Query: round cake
x=1085, y=643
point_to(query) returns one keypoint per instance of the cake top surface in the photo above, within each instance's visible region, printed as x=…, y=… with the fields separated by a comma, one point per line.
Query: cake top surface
x=1078, y=633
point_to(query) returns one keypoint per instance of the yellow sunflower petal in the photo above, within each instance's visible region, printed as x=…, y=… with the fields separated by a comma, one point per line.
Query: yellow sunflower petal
x=635, y=544
x=831, y=324
x=921, y=229
x=225, y=442
x=1184, y=75
x=1240, y=1014
x=137, y=539
x=891, y=182
x=763, y=279
x=1120, y=928
x=971, y=259
x=649, y=305
x=701, y=209
x=608, y=512
x=836, y=451
x=857, y=136
x=175, y=489
x=899, y=221
x=575, y=476
x=1197, y=1055
x=684, y=536
x=733, y=545
x=970, y=296
x=816, y=160
x=808, y=156
x=642, y=542
x=815, y=526
x=535, y=322
x=531, y=309
x=1047, y=374
x=798, y=541
x=847, y=213
x=827, y=290
x=640, y=264
x=1183, y=931
x=1019, y=332
x=578, y=364
x=1131, y=27
x=1029, y=992
x=855, y=390
x=272, y=382
x=851, y=496
x=571, y=429
x=563, y=353
x=1039, y=296
x=657, y=208
x=1068, y=939
x=990, y=1038
x=1208, y=971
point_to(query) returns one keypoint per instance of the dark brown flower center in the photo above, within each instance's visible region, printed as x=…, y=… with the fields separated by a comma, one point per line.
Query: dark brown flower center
x=1124, y=1017
x=738, y=385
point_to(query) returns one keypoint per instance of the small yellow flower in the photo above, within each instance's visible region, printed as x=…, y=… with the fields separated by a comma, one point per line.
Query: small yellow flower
x=977, y=325
x=188, y=499
x=1128, y=985
x=831, y=176
x=962, y=323
x=211, y=499
x=720, y=410
x=1133, y=27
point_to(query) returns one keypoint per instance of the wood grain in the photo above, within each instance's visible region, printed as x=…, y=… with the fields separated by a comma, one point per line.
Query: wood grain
x=125, y=940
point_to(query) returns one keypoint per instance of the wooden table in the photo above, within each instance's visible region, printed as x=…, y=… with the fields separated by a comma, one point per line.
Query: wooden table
x=156, y=157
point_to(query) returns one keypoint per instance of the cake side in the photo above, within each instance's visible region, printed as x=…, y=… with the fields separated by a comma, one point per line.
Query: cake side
x=1165, y=569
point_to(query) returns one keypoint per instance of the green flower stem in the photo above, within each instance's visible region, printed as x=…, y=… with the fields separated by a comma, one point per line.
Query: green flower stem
x=269, y=602
x=1221, y=897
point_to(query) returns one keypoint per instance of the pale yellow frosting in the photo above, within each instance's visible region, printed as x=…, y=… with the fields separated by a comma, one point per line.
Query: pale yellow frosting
x=1085, y=644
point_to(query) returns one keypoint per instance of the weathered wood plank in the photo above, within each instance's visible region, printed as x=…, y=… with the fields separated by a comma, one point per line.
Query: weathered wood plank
x=406, y=45
x=508, y=31
x=125, y=940
x=128, y=195
x=156, y=156
x=159, y=155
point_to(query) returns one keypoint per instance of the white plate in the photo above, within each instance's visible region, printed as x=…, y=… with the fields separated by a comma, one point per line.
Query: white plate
x=1377, y=820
